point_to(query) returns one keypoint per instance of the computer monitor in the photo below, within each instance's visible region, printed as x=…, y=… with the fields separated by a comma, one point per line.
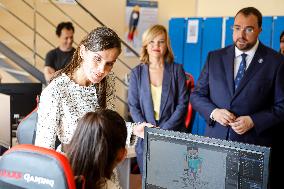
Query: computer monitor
x=5, y=124
x=22, y=102
x=175, y=160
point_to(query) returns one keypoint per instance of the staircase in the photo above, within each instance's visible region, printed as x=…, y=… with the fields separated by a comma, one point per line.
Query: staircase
x=27, y=33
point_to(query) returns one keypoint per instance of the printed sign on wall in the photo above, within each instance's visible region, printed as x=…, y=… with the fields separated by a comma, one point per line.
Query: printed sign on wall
x=140, y=15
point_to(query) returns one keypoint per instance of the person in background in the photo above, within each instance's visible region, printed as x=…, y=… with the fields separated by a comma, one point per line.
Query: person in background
x=240, y=91
x=96, y=148
x=157, y=91
x=59, y=57
x=282, y=43
x=86, y=84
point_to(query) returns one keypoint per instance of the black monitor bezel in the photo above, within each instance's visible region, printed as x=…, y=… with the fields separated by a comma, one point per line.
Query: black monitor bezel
x=189, y=137
x=21, y=88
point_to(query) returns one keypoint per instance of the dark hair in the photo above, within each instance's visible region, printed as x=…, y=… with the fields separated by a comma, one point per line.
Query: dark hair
x=252, y=11
x=95, y=144
x=281, y=35
x=64, y=25
x=99, y=39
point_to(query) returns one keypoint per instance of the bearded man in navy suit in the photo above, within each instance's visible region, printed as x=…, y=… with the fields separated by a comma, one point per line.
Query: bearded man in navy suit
x=240, y=91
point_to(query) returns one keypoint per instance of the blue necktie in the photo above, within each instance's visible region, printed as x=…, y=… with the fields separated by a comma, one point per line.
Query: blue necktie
x=241, y=70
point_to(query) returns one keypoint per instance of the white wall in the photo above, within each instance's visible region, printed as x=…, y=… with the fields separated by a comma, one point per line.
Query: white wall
x=231, y=7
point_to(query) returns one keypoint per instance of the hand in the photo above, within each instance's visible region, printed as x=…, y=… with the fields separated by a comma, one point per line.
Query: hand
x=223, y=116
x=138, y=130
x=242, y=124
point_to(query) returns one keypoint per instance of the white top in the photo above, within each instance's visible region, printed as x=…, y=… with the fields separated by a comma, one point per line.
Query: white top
x=113, y=182
x=238, y=58
x=110, y=184
x=62, y=104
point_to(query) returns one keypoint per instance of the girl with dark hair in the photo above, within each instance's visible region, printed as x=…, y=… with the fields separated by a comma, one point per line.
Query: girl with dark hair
x=86, y=84
x=96, y=149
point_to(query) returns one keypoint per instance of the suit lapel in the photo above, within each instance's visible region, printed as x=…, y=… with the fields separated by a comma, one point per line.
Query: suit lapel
x=228, y=61
x=256, y=63
x=166, y=86
x=146, y=90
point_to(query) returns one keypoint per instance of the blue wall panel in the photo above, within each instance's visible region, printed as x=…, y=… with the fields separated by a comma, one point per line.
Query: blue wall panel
x=265, y=35
x=229, y=31
x=211, y=40
x=176, y=33
x=278, y=23
x=192, y=62
x=211, y=36
x=192, y=52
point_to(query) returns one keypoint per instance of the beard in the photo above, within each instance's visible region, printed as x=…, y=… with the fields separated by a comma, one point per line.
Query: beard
x=243, y=44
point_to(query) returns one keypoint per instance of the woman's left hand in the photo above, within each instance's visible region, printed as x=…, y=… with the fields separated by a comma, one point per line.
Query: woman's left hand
x=138, y=130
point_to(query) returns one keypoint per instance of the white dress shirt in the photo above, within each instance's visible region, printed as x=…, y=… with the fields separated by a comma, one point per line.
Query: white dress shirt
x=238, y=57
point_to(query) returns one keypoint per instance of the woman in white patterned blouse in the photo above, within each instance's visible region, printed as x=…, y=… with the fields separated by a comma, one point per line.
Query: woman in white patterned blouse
x=86, y=84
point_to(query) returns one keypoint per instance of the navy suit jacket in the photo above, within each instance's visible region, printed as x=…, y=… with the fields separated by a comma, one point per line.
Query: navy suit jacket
x=260, y=94
x=174, y=99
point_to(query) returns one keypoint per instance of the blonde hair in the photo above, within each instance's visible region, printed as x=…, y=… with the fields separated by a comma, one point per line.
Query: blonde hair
x=148, y=36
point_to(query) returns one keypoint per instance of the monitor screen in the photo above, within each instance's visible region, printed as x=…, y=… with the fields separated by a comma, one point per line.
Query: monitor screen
x=22, y=102
x=5, y=124
x=176, y=160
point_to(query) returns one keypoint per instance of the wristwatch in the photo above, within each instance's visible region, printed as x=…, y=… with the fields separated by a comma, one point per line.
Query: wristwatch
x=211, y=122
x=211, y=119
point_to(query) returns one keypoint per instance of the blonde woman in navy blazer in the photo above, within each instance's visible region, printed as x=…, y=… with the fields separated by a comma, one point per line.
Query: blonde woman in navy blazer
x=157, y=72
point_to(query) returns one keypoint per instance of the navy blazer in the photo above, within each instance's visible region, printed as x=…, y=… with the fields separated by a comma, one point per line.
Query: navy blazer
x=174, y=99
x=260, y=94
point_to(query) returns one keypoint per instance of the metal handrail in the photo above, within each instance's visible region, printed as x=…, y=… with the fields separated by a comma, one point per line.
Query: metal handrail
x=65, y=14
x=20, y=41
x=122, y=100
x=42, y=16
x=101, y=23
x=6, y=9
x=46, y=19
x=20, y=61
x=123, y=82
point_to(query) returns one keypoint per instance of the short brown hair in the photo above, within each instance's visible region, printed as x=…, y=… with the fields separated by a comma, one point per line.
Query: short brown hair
x=64, y=25
x=252, y=11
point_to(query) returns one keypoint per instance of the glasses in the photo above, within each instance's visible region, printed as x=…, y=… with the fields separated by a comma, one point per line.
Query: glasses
x=248, y=30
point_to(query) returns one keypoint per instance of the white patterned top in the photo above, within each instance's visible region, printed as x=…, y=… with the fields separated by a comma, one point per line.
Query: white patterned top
x=110, y=184
x=62, y=104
